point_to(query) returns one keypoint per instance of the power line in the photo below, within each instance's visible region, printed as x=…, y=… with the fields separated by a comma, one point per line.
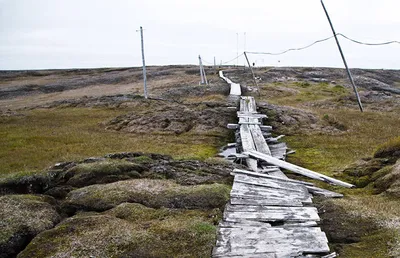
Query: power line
x=369, y=44
x=322, y=40
x=237, y=57
x=291, y=49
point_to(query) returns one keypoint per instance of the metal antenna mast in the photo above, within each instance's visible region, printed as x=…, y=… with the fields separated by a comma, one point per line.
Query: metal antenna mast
x=144, y=64
x=344, y=59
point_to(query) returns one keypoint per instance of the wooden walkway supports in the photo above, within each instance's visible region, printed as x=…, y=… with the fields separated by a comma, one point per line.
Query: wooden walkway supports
x=270, y=215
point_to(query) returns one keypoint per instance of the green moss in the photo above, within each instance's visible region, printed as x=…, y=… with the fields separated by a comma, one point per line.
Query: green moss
x=137, y=231
x=375, y=245
x=142, y=159
x=152, y=193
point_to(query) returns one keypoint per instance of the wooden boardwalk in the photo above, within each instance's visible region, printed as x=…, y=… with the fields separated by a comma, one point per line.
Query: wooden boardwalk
x=269, y=215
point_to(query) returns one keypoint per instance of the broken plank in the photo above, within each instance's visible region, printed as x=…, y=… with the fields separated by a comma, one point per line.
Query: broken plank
x=255, y=174
x=322, y=192
x=259, y=140
x=266, y=128
x=247, y=145
x=232, y=126
x=297, y=169
x=270, y=183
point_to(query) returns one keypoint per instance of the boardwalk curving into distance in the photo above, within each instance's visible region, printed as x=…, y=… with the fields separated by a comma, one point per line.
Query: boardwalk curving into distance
x=269, y=215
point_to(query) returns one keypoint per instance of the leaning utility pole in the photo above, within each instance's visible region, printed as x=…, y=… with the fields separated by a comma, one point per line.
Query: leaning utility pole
x=202, y=72
x=144, y=64
x=252, y=72
x=344, y=59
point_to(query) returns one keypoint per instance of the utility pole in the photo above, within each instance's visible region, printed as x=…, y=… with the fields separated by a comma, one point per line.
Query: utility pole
x=343, y=58
x=252, y=72
x=215, y=66
x=202, y=72
x=144, y=64
x=237, y=48
x=244, y=50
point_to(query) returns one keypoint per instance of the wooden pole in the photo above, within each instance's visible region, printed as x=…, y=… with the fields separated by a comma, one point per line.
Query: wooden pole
x=144, y=64
x=201, y=71
x=343, y=58
x=254, y=77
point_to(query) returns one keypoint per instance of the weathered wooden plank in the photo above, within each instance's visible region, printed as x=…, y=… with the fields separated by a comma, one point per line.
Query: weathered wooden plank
x=266, y=128
x=243, y=224
x=322, y=192
x=235, y=89
x=250, y=115
x=270, y=201
x=289, y=224
x=248, y=145
x=255, y=174
x=270, y=213
x=285, y=242
x=245, y=189
x=232, y=126
x=297, y=169
x=270, y=183
x=275, y=199
x=259, y=141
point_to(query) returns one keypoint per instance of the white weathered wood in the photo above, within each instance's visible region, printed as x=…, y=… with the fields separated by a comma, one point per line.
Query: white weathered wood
x=269, y=201
x=255, y=174
x=248, y=145
x=289, y=224
x=326, y=193
x=266, y=128
x=235, y=87
x=232, y=126
x=269, y=183
x=253, y=189
x=284, y=242
x=258, y=139
x=270, y=213
x=297, y=169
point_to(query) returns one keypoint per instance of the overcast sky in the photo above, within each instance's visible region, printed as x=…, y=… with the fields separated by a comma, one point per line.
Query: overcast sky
x=40, y=34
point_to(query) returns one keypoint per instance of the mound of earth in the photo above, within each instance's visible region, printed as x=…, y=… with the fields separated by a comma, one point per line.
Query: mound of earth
x=290, y=120
x=175, y=118
x=382, y=171
x=22, y=217
x=149, y=192
x=128, y=230
x=62, y=178
x=151, y=206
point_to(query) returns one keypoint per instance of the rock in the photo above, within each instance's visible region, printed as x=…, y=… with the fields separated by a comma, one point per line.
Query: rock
x=21, y=218
x=151, y=193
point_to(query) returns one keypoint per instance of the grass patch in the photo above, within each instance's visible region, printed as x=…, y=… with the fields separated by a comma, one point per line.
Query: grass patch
x=152, y=193
x=330, y=153
x=295, y=93
x=41, y=138
x=391, y=148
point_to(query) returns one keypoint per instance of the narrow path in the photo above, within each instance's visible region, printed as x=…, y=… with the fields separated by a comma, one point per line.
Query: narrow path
x=269, y=215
